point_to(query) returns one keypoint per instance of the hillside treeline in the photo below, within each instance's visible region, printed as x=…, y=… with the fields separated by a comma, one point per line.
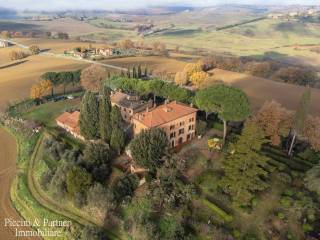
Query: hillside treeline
x=264, y=68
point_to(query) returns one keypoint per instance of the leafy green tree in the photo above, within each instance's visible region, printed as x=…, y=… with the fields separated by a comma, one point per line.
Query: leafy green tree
x=300, y=118
x=53, y=77
x=76, y=77
x=89, y=116
x=244, y=167
x=97, y=159
x=97, y=153
x=124, y=187
x=105, y=115
x=35, y=50
x=117, y=141
x=231, y=104
x=78, y=180
x=149, y=147
x=155, y=87
x=65, y=78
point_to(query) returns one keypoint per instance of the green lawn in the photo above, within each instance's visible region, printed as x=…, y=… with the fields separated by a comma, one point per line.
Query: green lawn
x=47, y=113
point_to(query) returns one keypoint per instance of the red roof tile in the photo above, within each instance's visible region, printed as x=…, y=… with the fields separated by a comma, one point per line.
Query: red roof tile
x=164, y=114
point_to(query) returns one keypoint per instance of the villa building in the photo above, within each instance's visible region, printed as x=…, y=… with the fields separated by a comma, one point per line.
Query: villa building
x=107, y=52
x=69, y=122
x=4, y=44
x=176, y=119
x=129, y=104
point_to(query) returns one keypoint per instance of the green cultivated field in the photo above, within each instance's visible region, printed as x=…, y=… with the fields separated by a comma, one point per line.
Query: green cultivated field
x=278, y=39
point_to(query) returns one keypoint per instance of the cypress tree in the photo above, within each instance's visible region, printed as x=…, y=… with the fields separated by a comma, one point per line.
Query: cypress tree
x=146, y=72
x=134, y=72
x=128, y=73
x=89, y=116
x=139, y=71
x=117, y=140
x=104, y=114
x=115, y=117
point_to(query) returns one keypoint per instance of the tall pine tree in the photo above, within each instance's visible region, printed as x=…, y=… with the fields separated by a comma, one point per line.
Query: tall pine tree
x=105, y=114
x=89, y=116
x=244, y=166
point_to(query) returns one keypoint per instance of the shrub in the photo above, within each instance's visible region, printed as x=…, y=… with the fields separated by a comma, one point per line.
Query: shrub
x=307, y=227
x=170, y=228
x=289, y=192
x=286, y=202
x=284, y=177
x=281, y=215
x=46, y=178
x=254, y=202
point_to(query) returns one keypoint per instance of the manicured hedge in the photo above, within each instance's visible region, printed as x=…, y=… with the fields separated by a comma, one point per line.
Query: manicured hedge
x=293, y=163
x=226, y=217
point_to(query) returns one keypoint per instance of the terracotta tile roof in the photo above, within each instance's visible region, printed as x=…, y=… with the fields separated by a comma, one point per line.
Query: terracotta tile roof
x=127, y=100
x=164, y=114
x=70, y=120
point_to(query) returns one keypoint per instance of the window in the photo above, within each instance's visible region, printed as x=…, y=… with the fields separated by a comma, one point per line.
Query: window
x=191, y=120
x=171, y=127
x=181, y=123
x=181, y=131
x=124, y=109
x=191, y=127
x=172, y=135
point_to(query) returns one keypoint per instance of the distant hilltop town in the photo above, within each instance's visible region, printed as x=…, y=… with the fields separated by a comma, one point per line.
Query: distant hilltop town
x=312, y=12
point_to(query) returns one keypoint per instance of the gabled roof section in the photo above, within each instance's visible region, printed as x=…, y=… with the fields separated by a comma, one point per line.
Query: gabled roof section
x=69, y=119
x=164, y=114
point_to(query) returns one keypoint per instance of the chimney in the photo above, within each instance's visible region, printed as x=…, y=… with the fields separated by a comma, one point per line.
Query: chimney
x=191, y=105
x=147, y=110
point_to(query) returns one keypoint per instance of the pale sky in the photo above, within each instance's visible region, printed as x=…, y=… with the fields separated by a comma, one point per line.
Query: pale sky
x=129, y=4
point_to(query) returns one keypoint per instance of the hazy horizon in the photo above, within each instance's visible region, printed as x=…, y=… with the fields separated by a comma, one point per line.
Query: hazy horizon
x=125, y=4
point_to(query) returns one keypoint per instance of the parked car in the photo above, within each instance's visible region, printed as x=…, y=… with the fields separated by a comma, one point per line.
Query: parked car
x=70, y=97
x=59, y=98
